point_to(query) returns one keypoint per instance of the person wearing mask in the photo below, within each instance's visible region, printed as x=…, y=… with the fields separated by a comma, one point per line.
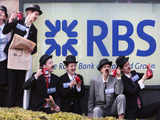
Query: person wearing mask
x=43, y=86
x=106, y=93
x=25, y=28
x=133, y=84
x=4, y=39
x=71, y=87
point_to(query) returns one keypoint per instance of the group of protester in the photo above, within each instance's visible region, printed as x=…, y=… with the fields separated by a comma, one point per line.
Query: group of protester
x=48, y=92
x=120, y=95
x=108, y=95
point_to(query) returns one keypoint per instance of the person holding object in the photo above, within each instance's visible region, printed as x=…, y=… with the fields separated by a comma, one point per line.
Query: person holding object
x=71, y=87
x=134, y=83
x=4, y=39
x=105, y=94
x=25, y=28
x=43, y=86
x=29, y=13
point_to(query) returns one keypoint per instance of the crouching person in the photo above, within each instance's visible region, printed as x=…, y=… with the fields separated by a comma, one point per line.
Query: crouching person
x=133, y=82
x=43, y=85
x=106, y=98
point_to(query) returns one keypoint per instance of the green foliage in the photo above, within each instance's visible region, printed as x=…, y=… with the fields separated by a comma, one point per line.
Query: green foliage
x=21, y=114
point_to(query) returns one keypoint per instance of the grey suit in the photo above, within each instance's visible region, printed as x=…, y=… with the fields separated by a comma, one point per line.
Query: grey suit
x=106, y=102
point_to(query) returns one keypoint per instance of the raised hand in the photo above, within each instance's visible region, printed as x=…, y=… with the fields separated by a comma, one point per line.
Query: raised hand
x=12, y=17
x=38, y=73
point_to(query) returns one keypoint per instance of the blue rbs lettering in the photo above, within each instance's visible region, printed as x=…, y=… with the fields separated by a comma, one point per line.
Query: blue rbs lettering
x=116, y=37
x=98, y=40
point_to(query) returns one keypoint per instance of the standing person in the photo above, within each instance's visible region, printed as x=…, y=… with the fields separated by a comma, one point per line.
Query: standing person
x=43, y=86
x=71, y=87
x=25, y=28
x=4, y=39
x=134, y=83
x=29, y=10
x=105, y=95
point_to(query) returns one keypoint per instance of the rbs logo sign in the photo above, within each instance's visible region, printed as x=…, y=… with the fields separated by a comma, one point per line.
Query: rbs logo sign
x=92, y=39
x=69, y=30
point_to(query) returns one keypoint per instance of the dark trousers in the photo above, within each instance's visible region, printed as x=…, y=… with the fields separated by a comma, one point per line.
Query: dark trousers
x=3, y=73
x=74, y=107
x=16, y=80
x=3, y=83
x=146, y=112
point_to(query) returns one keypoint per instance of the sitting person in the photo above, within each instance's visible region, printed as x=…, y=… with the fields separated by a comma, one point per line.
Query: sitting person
x=105, y=96
x=133, y=83
x=44, y=87
x=71, y=87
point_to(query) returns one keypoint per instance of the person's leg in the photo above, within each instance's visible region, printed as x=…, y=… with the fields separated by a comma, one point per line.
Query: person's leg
x=119, y=106
x=3, y=73
x=76, y=107
x=97, y=112
x=12, y=84
x=26, y=96
x=150, y=110
x=20, y=82
x=131, y=115
x=3, y=83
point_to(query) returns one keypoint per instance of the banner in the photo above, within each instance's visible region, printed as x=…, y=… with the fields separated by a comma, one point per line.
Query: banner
x=92, y=31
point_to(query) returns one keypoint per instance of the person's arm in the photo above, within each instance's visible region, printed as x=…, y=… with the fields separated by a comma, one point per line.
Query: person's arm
x=118, y=86
x=134, y=87
x=29, y=83
x=130, y=88
x=9, y=27
x=91, y=99
x=34, y=39
x=142, y=79
x=11, y=24
x=80, y=88
x=64, y=89
x=32, y=81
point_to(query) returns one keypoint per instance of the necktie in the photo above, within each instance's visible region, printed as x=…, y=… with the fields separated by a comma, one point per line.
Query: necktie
x=139, y=103
x=47, y=82
x=105, y=86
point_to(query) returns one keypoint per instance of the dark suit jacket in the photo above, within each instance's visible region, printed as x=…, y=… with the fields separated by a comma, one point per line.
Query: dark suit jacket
x=70, y=96
x=39, y=91
x=131, y=91
x=13, y=27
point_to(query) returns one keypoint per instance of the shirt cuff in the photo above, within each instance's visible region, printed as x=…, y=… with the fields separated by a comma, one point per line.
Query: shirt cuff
x=78, y=89
x=35, y=77
x=118, y=78
x=141, y=84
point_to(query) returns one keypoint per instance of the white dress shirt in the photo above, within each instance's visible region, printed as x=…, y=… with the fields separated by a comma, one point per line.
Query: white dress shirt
x=4, y=39
x=27, y=29
x=104, y=80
